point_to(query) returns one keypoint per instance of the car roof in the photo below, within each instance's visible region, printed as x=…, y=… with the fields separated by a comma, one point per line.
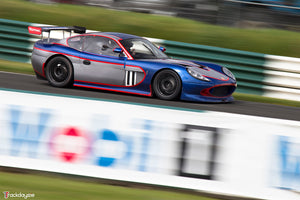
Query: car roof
x=115, y=35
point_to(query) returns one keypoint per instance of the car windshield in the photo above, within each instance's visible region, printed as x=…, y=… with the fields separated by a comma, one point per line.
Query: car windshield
x=142, y=49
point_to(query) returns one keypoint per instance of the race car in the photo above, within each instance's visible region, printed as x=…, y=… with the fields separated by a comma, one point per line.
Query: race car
x=125, y=63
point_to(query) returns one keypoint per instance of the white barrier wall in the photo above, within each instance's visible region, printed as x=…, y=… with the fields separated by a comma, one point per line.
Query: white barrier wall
x=282, y=77
x=208, y=151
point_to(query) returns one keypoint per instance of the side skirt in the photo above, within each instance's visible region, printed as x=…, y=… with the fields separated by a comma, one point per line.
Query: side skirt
x=114, y=89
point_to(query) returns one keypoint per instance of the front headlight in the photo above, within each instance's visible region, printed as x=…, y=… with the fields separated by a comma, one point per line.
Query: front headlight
x=228, y=73
x=196, y=74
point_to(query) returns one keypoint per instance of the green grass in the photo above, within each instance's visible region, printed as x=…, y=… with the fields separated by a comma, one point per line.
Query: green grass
x=269, y=100
x=18, y=67
x=268, y=41
x=63, y=188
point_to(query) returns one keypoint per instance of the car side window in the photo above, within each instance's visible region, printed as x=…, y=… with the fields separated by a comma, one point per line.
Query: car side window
x=100, y=45
x=76, y=42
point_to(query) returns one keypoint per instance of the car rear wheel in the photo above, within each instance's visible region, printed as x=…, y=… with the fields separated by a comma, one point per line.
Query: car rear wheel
x=167, y=85
x=59, y=72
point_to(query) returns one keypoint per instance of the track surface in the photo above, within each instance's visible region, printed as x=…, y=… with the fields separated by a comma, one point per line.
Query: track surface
x=30, y=83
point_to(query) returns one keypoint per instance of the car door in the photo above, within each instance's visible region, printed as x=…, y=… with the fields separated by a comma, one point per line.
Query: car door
x=99, y=63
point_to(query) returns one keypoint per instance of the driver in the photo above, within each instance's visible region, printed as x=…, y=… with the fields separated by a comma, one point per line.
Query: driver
x=128, y=46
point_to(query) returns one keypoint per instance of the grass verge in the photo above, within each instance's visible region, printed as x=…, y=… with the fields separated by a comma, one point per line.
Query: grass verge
x=269, y=100
x=62, y=188
x=17, y=67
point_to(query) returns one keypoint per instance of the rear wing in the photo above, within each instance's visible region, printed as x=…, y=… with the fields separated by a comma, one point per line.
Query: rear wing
x=39, y=30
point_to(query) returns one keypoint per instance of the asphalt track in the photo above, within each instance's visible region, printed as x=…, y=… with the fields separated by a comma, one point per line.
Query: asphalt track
x=30, y=83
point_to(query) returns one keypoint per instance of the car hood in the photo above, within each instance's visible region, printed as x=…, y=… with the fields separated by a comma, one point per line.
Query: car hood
x=202, y=68
x=183, y=63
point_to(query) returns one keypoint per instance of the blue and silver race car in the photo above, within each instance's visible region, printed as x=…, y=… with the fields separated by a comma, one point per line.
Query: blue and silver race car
x=126, y=63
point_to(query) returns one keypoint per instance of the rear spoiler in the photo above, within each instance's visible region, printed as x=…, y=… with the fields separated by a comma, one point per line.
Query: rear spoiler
x=39, y=30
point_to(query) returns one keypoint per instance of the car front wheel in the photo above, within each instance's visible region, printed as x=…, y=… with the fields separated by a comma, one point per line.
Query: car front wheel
x=167, y=85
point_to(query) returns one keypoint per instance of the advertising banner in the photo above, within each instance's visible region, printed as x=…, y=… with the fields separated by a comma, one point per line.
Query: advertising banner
x=104, y=134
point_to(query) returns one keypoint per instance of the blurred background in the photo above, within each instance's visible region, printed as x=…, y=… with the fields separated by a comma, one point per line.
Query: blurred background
x=283, y=14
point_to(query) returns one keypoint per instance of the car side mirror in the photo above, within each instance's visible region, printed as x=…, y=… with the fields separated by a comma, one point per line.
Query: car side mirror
x=120, y=51
x=162, y=49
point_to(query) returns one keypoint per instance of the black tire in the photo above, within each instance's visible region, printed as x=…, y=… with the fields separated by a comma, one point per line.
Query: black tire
x=167, y=85
x=59, y=72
